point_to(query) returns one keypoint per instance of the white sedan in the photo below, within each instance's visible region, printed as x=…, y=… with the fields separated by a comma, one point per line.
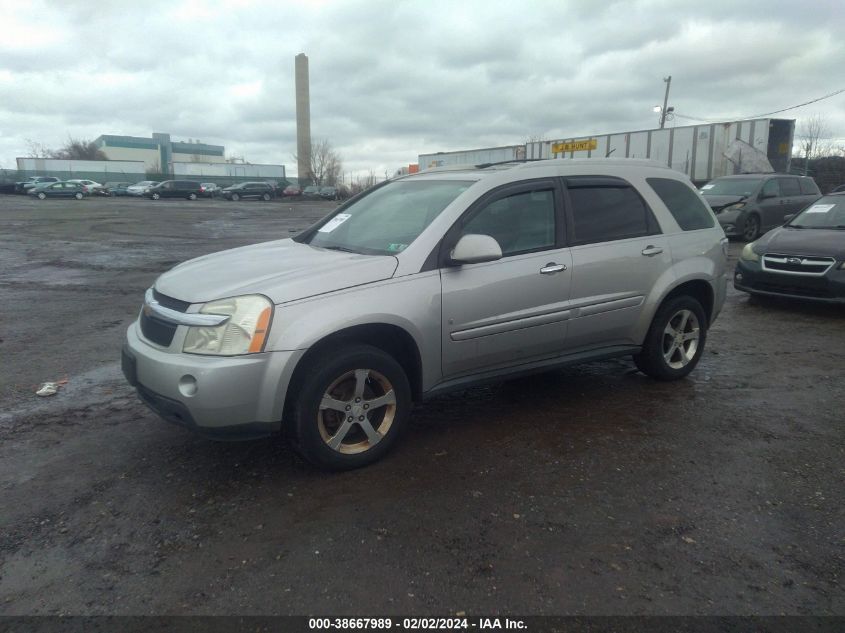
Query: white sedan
x=88, y=186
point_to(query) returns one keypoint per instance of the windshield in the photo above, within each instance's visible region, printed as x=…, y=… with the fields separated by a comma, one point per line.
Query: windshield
x=389, y=219
x=731, y=187
x=825, y=213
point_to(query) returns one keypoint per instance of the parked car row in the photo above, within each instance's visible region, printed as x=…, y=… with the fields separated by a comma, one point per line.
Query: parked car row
x=188, y=189
x=796, y=236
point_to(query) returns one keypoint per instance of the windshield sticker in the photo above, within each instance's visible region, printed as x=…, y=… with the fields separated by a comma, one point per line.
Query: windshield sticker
x=820, y=208
x=395, y=248
x=708, y=186
x=335, y=222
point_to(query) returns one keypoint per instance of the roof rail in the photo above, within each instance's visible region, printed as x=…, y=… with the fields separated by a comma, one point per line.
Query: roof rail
x=508, y=162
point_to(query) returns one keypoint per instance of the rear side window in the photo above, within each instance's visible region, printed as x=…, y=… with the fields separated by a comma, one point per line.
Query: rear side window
x=683, y=203
x=808, y=187
x=789, y=187
x=606, y=209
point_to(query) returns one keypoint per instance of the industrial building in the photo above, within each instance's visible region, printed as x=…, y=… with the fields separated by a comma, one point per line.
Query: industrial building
x=158, y=151
x=702, y=152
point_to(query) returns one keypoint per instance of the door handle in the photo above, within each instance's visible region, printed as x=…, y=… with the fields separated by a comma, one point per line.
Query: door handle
x=651, y=251
x=552, y=268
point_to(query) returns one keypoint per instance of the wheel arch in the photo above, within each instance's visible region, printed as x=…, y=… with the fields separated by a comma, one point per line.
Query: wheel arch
x=390, y=338
x=699, y=289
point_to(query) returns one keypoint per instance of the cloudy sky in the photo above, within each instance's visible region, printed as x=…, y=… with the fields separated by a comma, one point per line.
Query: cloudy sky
x=393, y=79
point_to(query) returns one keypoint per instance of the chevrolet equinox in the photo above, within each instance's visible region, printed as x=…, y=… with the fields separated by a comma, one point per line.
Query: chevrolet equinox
x=425, y=284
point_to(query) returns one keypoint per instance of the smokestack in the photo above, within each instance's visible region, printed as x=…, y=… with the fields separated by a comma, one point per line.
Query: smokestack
x=303, y=119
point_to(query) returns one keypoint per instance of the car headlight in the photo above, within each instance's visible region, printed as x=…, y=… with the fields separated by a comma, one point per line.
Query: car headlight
x=748, y=253
x=736, y=206
x=245, y=332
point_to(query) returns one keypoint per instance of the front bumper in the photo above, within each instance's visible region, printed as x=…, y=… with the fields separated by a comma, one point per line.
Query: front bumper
x=235, y=397
x=828, y=288
x=732, y=224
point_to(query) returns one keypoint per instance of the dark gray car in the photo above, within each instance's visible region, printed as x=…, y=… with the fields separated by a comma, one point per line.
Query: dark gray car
x=748, y=205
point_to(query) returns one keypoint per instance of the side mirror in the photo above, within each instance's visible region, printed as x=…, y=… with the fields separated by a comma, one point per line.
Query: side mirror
x=474, y=249
x=763, y=195
x=788, y=217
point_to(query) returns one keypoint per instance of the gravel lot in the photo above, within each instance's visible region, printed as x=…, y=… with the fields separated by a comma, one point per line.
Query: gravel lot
x=592, y=490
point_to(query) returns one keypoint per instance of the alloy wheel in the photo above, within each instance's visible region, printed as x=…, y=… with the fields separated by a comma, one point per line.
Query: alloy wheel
x=356, y=411
x=680, y=339
x=752, y=228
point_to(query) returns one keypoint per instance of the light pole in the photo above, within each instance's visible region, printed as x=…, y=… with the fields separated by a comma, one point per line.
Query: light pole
x=663, y=112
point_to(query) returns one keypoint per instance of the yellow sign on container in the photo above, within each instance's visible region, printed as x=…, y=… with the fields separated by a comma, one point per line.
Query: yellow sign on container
x=575, y=146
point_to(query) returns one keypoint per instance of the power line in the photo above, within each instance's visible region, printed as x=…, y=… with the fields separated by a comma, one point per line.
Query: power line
x=757, y=116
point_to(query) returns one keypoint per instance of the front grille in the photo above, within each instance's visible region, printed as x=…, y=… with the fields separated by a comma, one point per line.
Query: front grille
x=791, y=289
x=156, y=330
x=170, y=302
x=797, y=264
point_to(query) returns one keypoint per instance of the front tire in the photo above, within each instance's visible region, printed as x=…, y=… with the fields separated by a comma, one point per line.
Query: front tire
x=41, y=195
x=155, y=196
x=77, y=195
x=752, y=228
x=235, y=197
x=675, y=341
x=351, y=406
x=266, y=197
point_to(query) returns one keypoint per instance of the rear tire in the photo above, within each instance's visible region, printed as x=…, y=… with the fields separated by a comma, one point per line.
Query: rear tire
x=192, y=196
x=349, y=407
x=675, y=341
x=77, y=195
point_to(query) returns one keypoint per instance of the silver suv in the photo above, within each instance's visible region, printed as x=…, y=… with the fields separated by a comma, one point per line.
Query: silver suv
x=425, y=284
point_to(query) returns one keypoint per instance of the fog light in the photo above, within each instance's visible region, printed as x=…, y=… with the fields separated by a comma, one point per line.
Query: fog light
x=187, y=385
x=738, y=277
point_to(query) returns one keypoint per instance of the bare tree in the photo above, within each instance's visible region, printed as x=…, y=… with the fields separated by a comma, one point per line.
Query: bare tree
x=79, y=149
x=326, y=165
x=35, y=149
x=813, y=135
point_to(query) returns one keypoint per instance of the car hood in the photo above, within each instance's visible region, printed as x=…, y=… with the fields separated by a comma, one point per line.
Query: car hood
x=283, y=270
x=808, y=242
x=717, y=203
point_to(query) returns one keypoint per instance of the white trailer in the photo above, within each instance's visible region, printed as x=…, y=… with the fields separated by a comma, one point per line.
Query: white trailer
x=699, y=151
x=102, y=170
x=239, y=171
x=472, y=157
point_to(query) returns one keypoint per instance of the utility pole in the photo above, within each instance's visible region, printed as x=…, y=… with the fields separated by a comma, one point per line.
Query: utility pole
x=668, y=81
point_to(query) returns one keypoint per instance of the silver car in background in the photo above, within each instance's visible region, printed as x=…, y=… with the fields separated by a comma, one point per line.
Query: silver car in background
x=141, y=188
x=428, y=283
